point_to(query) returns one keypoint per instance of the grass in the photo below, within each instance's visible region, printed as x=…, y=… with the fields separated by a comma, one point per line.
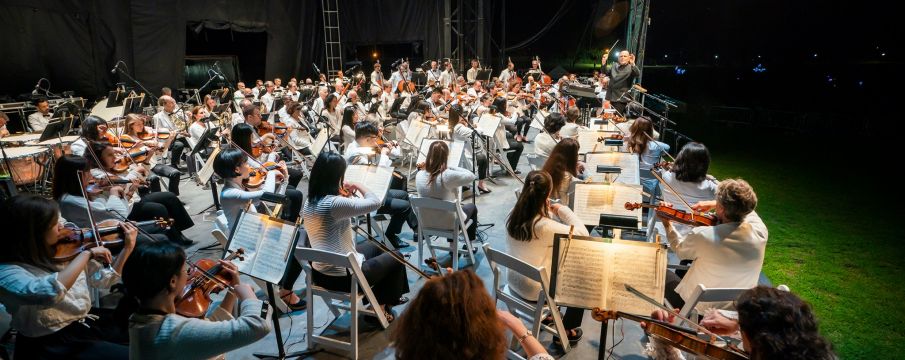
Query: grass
x=834, y=235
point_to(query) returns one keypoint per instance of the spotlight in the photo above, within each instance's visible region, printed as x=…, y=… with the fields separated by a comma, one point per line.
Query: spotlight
x=374, y=55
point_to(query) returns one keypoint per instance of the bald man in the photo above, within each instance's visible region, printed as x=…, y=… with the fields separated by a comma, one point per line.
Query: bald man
x=619, y=79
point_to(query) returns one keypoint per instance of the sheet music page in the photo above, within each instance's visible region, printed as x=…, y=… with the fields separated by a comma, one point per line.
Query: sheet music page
x=456, y=148
x=374, y=178
x=581, y=279
x=627, y=162
x=537, y=121
x=488, y=124
x=587, y=141
x=591, y=200
x=208, y=169
x=319, y=142
x=269, y=263
x=247, y=235
x=416, y=132
x=605, y=126
x=641, y=265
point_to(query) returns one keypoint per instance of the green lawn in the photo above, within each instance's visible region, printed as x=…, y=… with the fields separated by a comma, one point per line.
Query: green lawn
x=834, y=237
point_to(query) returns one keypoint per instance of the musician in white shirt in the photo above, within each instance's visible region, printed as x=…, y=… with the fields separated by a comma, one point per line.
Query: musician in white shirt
x=318, y=104
x=298, y=129
x=239, y=95
x=448, y=75
x=38, y=121
x=267, y=98
x=377, y=76
x=547, y=139
x=472, y=74
x=476, y=90
x=507, y=73
x=256, y=91
x=434, y=73
x=293, y=91
x=400, y=75
x=727, y=255
x=165, y=120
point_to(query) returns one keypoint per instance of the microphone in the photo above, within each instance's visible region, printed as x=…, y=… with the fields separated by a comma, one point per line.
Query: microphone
x=115, y=67
x=640, y=88
x=37, y=87
x=315, y=68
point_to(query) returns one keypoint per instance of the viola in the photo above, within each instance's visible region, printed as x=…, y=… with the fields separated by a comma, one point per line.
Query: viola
x=73, y=240
x=682, y=338
x=207, y=277
x=689, y=218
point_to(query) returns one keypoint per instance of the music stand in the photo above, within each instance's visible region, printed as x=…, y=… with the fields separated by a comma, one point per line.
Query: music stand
x=55, y=129
x=115, y=98
x=221, y=108
x=484, y=74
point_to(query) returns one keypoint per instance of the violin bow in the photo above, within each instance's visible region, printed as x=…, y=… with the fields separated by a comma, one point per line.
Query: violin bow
x=91, y=222
x=90, y=150
x=659, y=178
x=673, y=312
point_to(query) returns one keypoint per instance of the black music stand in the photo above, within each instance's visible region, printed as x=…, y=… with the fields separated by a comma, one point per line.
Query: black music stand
x=484, y=74
x=116, y=98
x=55, y=129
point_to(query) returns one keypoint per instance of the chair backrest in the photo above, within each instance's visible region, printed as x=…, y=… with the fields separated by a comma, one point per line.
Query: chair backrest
x=535, y=161
x=702, y=294
x=436, y=214
x=499, y=259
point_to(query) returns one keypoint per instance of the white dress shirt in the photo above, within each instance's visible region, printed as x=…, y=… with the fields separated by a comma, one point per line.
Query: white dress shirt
x=267, y=99
x=38, y=121
x=360, y=155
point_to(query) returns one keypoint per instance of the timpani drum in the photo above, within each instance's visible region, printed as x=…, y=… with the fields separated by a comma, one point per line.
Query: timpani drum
x=27, y=163
x=20, y=139
x=59, y=146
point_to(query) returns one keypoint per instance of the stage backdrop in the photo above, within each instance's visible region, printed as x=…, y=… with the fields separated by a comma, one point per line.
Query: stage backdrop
x=75, y=43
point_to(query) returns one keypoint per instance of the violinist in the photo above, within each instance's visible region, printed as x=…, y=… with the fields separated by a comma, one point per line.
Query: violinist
x=462, y=131
x=435, y=102
x=166, y=120
x=298, y=129
x=476, y=91
x=113, y=201
x=242, y=136
x=547, y=139
x=320, y=101
x=564, y=167
x=50, y=302
x=267, y=98
x=157, y=332
x=531, y=226
x=772, y=324
x=440, y=180
x=727, y=255
x=327, y=217
x=571, y=128
x=508, y=72
x=233, y=166
x=136, y=129
x=333, y=118
x=688, y=176
x=639, y=141
x=396, y=203
x=500, y=108
x=4, y=132
x=350, y=118
x=93, y=128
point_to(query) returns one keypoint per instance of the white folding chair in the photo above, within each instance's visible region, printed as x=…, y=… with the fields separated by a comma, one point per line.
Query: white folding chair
x=703, y=294
x=532, y=310
x=351, y=301
x=441, y=219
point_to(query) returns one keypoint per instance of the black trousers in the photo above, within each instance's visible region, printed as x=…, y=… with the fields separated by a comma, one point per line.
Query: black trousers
x=92, y=339
x=396, y=204
x=295, y=176
x=522, y=126
x=471, y=213
x=385, y=275
x=163, y=205
x=673, y=280
x=483, y=165
x=572, y=318
x=169, y=172
x=177, y=147
x=514, y=152
x=296, y=198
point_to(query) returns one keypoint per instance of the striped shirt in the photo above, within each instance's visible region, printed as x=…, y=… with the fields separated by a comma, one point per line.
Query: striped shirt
x=329, y=226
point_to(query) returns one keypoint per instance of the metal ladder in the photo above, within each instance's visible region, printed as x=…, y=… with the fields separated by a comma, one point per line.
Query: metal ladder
x=332, y=40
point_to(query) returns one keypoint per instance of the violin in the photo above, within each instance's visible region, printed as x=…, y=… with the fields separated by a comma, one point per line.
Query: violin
x=163, y=134
x=682, y=338
x=73, y=240
x=127, y=141
x=278, y=128
x=261, y=148
x=112, y=139
x=258, y=175
x=207, y=277
x=663, y=165
x=140, y=155
x=689, y=218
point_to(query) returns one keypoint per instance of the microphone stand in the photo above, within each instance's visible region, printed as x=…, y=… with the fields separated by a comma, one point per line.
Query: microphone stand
x=140, y=86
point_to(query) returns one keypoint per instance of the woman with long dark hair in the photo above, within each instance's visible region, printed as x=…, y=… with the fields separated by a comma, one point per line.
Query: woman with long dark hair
x=514, y=152
x=50, y=301
x=640, y=141
x=350, y=118
x=333, y=118
x=472, y=327
x=530, y=227
x=157, y=332
x=242, y=136
x=439, y=180
x=563, y=166
x=327, y=217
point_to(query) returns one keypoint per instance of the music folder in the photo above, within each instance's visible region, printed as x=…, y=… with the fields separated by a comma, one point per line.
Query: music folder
x=268, y=243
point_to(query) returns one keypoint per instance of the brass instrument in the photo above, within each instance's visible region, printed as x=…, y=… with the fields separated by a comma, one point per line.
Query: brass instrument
x=178, y=122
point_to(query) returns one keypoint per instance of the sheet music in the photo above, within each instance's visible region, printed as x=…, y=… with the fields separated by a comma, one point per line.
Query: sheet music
x=587, y=141
x=488, y=124
x=591, y=200
x=605, y=126
x=456, y=148
x=416, y=132
x=642, y=267
x=374, y=178
x=267, y=245
x=594, y=271
x=319, y=142
x=208, y=169
x=581, y=275
x=627, y=162
x=537, y=121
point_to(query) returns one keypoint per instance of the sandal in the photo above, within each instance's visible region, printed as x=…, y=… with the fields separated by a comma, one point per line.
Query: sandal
x=573, y=339
x=484, y=191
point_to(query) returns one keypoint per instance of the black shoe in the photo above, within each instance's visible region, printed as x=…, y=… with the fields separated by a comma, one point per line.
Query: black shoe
x=402, y=300
x=517, y=172
x=464, y=249
x=396, y=242
x=484, y=191
x=573, y=340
